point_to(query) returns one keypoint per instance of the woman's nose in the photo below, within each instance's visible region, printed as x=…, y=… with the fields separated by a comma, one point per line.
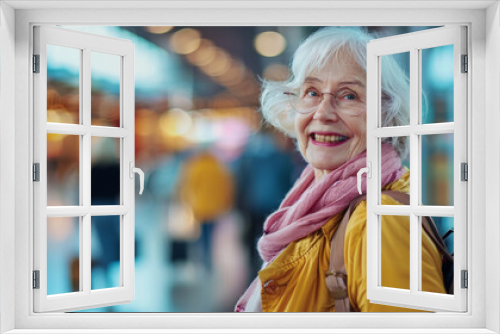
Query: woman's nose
x=327, y=109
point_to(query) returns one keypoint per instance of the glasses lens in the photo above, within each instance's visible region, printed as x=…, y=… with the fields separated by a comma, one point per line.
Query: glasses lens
x=306, y=104
x=293, y=101
x=350, y=107
x=299, y=105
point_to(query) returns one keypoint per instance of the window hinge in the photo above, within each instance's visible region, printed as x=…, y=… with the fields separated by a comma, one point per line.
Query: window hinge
x=36, y=172
x=464, y=172
x=36, y=63
x=36, y=279
x=465, y=64
x=465, y=279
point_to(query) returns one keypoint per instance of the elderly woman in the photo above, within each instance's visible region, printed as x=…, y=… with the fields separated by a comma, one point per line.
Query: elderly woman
x=323, y=106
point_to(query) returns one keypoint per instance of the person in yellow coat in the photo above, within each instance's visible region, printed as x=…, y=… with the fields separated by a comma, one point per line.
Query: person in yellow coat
x=323, y=106
x=207, y=187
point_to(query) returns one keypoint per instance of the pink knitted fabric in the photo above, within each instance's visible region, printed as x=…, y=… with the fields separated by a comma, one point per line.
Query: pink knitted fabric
x=309, y=205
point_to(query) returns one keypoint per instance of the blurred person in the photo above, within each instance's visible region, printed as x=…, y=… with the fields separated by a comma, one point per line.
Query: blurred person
x=323, y=106
x=263, y=176
x=207, y=187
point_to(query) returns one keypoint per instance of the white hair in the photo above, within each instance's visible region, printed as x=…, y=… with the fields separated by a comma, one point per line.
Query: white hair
x=319, y=50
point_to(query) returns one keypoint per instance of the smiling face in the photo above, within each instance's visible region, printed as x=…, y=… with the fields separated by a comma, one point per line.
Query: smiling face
x=335, y=131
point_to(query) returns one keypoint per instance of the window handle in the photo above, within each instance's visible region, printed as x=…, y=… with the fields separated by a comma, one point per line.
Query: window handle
x=366, y=170
x=137, y=171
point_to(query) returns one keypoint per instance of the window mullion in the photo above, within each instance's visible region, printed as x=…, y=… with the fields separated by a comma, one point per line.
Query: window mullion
x=434, y=128
x=414, y=164
x=85, y=253
x=406, y=210
x=67, y=129
x=85, y=160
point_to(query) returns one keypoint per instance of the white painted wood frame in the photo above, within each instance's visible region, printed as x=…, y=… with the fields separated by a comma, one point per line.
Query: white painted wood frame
x=483, y=20
x=86, y=44
x=414, y=43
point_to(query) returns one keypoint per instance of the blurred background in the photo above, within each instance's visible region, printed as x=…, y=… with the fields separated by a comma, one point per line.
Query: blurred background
x=213, y=170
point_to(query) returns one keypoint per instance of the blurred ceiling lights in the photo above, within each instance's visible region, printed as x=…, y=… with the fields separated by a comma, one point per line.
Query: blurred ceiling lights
x=204, y=55
x=185, y=41
x=214, y=62
x=159, y=29
x=220, y=64
x=270, y=44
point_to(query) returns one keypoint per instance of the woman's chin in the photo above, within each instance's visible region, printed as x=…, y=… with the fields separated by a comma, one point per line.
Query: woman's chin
x=324, y=163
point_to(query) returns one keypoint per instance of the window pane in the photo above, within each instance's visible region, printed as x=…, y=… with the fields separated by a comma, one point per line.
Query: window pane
x=395, y=73
x=437, y=169
x=395, y=249
x=402, y=146
x=437, y=278
x=437, y=84
x=105, y=173
x=63, y=84
x=63, y=168
x=106, y=72
x=63, y=255
x=106, y=246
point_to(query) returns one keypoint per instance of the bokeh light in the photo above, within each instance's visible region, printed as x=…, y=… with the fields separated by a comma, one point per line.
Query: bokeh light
x=220, y=64
x=159, y=29
x=175, y=122
x=204, y=55
x=185, y=41
x=270, y=44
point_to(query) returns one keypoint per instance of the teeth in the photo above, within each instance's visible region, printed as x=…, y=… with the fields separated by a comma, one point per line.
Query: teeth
x=328, y=139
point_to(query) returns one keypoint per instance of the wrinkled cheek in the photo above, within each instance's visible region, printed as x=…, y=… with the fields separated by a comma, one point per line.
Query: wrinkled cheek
x=303, y=146
x=302, y=139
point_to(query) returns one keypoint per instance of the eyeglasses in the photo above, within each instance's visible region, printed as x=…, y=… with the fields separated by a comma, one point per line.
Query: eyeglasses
x=345, y=101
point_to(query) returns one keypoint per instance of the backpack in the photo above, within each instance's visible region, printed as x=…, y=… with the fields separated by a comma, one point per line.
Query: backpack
x=336, y=277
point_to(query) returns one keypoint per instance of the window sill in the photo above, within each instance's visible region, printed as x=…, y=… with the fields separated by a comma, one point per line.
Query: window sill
x=256, y=331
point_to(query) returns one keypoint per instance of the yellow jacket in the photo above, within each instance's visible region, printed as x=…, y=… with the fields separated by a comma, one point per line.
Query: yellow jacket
x=295, y=280
x=207, y=186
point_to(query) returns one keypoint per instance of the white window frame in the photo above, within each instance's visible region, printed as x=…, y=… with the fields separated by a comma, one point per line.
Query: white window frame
x=413, y=43
x=482, y=19
x=87, y=45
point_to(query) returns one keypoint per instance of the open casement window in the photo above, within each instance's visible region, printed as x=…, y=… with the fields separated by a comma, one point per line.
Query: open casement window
x=437, y=188
x=84, y=167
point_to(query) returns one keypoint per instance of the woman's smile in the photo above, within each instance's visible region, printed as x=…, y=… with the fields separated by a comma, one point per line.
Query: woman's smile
x=328, y=138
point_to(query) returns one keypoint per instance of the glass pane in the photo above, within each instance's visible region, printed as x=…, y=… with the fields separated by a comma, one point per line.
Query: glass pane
x=105, y=82
x=402, y=146
x=437, y=269
x=63, y=167
x=63, y=84
x=395, y=249
x=105, y=246
x=105, y=173
x=437, y=84
x=63, y=255
x=437, y=169
x=395, y=72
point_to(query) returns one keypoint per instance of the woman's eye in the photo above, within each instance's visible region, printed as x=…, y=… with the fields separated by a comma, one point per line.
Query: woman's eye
x=310, y=93
x=348, y=96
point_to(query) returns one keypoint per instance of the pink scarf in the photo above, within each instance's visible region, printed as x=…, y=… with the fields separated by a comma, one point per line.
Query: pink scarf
x=309, y=205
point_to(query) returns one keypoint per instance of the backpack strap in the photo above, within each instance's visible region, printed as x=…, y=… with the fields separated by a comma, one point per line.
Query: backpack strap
x=336, y=276
x=428, y=225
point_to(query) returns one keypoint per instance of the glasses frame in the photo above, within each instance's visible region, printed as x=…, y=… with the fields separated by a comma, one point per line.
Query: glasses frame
x=291, y=96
